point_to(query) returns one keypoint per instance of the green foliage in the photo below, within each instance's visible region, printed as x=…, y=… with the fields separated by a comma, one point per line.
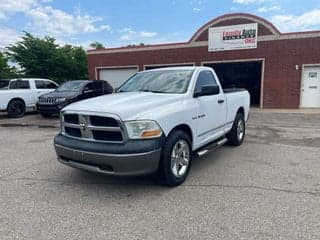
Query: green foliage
x=97, y=45
x=45, y=59
x=5, y=70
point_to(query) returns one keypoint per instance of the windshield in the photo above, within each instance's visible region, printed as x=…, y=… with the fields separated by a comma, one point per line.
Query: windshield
x=160, y=81
x=71, y=86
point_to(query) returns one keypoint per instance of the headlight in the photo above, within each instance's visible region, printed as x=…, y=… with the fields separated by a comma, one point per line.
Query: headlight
x=59, y=100
x=143, y=129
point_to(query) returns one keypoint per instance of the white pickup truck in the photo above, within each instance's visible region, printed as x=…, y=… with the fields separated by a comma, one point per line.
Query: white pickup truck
x=156, y=122
x=22, y=94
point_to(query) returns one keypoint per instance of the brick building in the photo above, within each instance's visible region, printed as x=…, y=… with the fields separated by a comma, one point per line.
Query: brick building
x=281, y=71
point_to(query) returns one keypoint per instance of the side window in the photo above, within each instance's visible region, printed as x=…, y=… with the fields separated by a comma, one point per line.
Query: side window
x=20, y=84
x=13, y=85
x=88, y=87
x=107, y=88
x=50, y=85
x=39, y=84
x=24, y=84
x=205, y=78
x=97, y=85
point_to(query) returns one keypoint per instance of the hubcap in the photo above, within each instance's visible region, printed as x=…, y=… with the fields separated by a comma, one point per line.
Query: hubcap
x=180, y=158
x=240, y=129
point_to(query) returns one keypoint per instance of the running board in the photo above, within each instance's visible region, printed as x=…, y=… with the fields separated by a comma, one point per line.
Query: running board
x=211, y=146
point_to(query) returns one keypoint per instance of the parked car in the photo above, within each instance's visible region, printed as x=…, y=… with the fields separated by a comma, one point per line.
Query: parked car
x=22, y=95
x=4, y=84
x=157, y=121
x=69, y=92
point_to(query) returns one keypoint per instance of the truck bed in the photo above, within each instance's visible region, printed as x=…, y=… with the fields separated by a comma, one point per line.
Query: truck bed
x=232, y=90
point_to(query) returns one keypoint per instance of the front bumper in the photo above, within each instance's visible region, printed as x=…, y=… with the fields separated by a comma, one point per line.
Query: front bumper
x=128, y=159
x=48, y=108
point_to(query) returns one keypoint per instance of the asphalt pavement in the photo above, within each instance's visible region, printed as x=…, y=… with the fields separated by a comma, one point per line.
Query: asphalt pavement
x=268, y=188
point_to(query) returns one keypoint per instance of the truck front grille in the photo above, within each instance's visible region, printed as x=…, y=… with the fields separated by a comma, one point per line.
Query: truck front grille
x=74, y=132
x=49, y=100
x=103, y=121
x=71, y=118
x=92, y=127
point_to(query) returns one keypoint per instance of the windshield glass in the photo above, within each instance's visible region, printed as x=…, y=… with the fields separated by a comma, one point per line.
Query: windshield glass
x=160, y=81
x=71, y=86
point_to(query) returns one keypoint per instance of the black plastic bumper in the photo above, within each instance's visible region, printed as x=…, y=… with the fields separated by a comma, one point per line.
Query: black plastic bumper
x=131, y=158
x=48, y=109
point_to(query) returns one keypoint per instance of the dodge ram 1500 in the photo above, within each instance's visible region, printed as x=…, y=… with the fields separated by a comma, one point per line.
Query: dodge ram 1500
x=156, y=122
x=22, y=95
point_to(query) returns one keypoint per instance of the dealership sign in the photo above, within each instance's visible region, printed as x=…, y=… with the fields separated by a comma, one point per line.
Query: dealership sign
x=234, y=37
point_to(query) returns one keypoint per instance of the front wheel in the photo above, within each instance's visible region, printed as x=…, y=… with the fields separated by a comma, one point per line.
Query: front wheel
x=176, y=158
x=238, y=130
x=16, y=108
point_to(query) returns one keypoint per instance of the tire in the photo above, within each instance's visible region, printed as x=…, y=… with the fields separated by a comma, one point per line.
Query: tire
x=238, y=130
x=174, y=169
x=16, y=108
x=46, y=115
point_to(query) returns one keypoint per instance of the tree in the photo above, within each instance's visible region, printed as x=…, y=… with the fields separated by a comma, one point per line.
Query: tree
x=5, y=70
x=46, y=59
x=97, y=45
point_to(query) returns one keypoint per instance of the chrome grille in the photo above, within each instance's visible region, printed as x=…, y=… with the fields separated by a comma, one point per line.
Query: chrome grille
x=92, y=127
x=49, y=100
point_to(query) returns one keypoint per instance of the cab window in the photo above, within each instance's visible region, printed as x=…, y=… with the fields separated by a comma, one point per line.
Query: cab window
x=205, y=78
x=19, y=84
x=50, y=85
x=39, y=84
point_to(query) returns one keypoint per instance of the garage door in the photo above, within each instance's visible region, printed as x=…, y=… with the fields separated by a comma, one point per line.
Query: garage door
x=116, y=76
x=246, y=75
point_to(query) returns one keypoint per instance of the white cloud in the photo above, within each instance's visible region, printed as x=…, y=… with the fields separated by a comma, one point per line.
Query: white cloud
x=306, y=21
x=147, y=34
x=195, y=9
x=269, y=9
x=133, y=36
x=12, y=6
x=8, y=36
x=247, y=1
x=56, y=22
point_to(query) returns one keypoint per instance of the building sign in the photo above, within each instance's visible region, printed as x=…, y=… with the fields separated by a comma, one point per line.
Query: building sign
x=234, y=37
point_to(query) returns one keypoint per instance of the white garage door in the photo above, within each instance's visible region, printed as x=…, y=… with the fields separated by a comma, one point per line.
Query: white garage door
x=116, y=76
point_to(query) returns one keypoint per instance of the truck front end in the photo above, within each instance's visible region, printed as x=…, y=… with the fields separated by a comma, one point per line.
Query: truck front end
x=104, y=143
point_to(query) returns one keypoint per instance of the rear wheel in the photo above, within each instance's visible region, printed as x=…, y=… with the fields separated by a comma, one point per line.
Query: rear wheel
x=176, y=158
x=16, y=108
x=238, y=130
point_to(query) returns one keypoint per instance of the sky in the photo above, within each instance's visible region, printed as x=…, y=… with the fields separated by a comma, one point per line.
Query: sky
x=117, y=23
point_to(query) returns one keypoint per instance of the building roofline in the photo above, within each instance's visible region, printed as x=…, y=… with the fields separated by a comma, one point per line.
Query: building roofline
x=192, y=42
x=224, y=17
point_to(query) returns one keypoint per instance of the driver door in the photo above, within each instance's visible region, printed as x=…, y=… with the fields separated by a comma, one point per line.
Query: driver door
x=212, y=110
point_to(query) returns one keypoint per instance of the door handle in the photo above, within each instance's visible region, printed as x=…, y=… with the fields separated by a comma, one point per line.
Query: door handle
x=220, y=101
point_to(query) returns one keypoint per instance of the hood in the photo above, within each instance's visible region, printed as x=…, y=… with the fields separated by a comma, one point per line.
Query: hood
x=56, y=94
x=127, y=105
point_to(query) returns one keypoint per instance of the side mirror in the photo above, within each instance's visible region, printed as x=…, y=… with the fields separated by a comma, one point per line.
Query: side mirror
x=208, y=91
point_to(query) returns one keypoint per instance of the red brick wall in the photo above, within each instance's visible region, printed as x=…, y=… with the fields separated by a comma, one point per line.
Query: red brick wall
x=281, y=79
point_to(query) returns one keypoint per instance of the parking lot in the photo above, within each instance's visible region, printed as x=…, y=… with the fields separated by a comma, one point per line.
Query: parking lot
x=268, y=188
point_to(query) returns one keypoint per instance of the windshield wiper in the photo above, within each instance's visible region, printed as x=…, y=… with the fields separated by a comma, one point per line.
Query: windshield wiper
x=152, y=91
